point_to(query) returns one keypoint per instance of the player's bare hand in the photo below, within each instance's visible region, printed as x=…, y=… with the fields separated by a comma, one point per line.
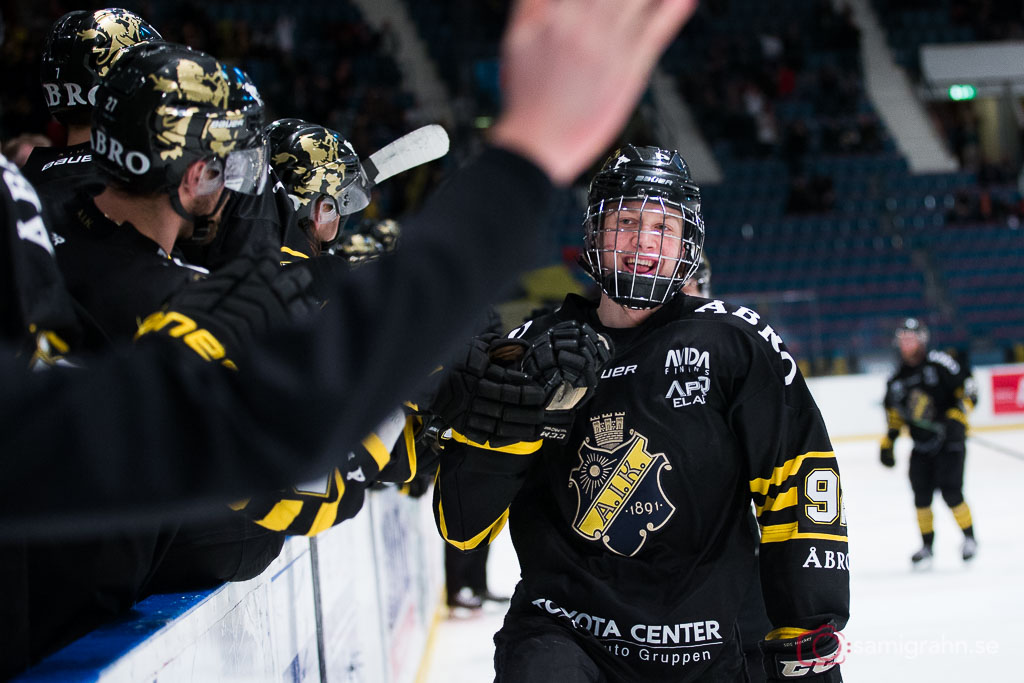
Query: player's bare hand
x=572, y=72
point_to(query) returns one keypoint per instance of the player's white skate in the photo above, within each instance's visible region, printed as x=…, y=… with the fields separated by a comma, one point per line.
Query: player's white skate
x=969, y=549
x=922, y=559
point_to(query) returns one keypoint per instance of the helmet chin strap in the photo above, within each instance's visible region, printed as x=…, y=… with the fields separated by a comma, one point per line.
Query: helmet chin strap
x=202, y=225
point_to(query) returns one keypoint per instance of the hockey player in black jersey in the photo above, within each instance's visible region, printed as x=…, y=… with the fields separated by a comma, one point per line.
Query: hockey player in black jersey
x=202, y=136
x=326, y=184
x=78, y=52
x=323, y=178
x=172, y=129
x=931, y=394
x=632, y=532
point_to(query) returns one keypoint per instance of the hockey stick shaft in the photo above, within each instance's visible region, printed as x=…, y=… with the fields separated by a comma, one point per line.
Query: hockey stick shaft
x=409, y=151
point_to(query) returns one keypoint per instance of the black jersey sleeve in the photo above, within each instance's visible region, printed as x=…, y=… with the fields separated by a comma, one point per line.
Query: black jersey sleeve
x=475, y=487
x=797, y=494
x=39, y=316
x=386, y=454
x=959, y=389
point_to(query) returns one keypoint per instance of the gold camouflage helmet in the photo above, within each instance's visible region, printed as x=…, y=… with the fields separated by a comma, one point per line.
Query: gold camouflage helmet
x=78, y=52
x=164, y=106
x=311, y=161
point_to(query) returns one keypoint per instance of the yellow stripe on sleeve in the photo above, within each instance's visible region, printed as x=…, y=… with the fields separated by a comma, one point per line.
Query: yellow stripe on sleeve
x=490, y=533
x=785, y=471
x=281, y=515
x=377, y=450
x=328, y=512
x=778, y=533
x=782, y=501
x=324, y=519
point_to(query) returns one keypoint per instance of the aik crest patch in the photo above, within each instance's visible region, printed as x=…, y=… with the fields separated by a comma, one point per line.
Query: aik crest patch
x=618, y=487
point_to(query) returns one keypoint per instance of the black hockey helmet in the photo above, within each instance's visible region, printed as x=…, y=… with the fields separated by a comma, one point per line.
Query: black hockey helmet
x=164, y=106
x=79, y=50
x=316, y=163
x=913, y=327
x=645, y=180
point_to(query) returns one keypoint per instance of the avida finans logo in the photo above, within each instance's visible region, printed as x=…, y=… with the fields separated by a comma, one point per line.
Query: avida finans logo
x=618, y=487
x=695, y=367
x=686, y=360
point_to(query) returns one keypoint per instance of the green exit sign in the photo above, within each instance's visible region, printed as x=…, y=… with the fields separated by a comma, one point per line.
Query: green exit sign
x=962, y=92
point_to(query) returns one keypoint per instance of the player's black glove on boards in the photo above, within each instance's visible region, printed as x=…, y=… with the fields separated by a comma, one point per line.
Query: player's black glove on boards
x=812, y=656
x=885, y=455
x=487, y=402
x=217, y=317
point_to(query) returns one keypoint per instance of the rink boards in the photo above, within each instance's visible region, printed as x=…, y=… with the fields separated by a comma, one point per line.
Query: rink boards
x=375, y=582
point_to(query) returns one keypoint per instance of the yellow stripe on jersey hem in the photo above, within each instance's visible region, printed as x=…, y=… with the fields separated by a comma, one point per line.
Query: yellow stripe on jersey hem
x=518, y=448
x=784, y=500
x=377, y=450
x=281, y=515
x=490, y=533
x=785, y=471
x=778, y=533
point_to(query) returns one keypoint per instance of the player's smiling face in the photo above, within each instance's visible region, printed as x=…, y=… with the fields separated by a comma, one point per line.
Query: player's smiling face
x=642, y=238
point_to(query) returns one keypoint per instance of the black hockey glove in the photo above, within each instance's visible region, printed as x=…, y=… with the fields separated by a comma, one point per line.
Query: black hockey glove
x=885, y=455
x=814, y=656
x=218, y=317
x=483, y=399
x=567, y=360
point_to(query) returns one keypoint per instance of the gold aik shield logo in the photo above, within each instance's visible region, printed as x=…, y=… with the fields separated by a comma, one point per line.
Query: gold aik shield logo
x=618, y=487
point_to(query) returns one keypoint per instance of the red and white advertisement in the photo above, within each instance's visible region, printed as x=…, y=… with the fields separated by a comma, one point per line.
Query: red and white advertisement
x=1007, y=392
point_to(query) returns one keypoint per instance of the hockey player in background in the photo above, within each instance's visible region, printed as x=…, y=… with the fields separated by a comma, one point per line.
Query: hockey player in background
x=632, y=529
x=321, y=174
x=79, y=50
x=931, y=394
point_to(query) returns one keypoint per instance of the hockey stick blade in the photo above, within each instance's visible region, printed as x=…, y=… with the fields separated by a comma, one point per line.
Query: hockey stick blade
x=409, y=151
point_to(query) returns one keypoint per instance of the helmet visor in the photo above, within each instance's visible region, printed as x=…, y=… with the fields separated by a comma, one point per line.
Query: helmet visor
x=246, y=170
x=355, y=196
